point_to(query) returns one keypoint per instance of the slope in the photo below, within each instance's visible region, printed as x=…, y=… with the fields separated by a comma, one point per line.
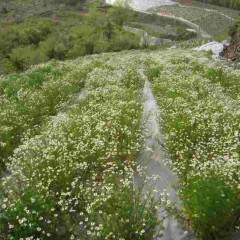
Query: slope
x=73, y=179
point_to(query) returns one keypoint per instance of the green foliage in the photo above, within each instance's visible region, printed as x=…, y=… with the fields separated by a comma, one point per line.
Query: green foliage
x=211, y=206
x=228, y=81
x=120, y=14
x=94, y=18
x=183, y=34
x=200, y=123
x=32, y=209
x=24, y=57
x=125, y=40
x=234, y=29
x=38, y=40
x=30, y=99
x=32, y=31
x=15, y=82
x=135, y=214
x=19, y=45
x=82, y=161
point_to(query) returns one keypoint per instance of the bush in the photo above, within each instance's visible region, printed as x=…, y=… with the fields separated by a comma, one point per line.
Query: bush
x=31, y=209
x=183, y=34
x=24, y=57
x=120, y=14
x=16, y=82
x=6, y=66
x=125, y=41
x=7, y=38
x=211, y=205
x=38, y=40
x=32, y=31
x=53, y=49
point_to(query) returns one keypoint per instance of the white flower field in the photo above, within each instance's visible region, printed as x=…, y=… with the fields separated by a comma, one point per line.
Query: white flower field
x=68, y=161
x=201, y=120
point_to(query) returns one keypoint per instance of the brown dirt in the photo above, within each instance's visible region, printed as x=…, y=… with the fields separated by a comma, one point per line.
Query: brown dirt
x=232, y=52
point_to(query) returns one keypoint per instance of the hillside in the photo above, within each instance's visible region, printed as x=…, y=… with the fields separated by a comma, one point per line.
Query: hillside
x=213, y=21
x=70, y=32
x=113, y=125
x=79, y=130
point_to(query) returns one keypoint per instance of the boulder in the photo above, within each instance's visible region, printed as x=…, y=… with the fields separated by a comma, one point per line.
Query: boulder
x=215, y=47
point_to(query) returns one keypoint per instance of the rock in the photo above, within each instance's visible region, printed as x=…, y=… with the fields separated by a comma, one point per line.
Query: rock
x=225, y=43
x=214, y=46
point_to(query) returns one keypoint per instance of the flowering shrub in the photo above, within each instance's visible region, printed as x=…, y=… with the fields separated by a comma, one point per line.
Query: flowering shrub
x=200, y=110
x=21, y=226
x=27, y=100
x=80, y=166
x=72, y=176
x=210, y=200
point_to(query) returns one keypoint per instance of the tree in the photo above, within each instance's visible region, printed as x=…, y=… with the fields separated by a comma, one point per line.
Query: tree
x=108, y=29
x=121, y=12
x=95, y=21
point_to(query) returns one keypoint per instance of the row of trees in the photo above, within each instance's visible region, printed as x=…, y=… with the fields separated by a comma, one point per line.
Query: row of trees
x=235, y=4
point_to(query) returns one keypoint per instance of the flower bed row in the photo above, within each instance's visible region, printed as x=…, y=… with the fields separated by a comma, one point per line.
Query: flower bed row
x=28, y=100
x=74, y=180
x=201, y=129
x=211, y=22
x=224, y=77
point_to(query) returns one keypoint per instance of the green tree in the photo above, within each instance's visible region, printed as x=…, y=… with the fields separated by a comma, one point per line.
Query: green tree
x=121, y=12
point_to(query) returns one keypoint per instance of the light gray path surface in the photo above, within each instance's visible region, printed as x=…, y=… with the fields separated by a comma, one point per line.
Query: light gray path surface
x=153, y=158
